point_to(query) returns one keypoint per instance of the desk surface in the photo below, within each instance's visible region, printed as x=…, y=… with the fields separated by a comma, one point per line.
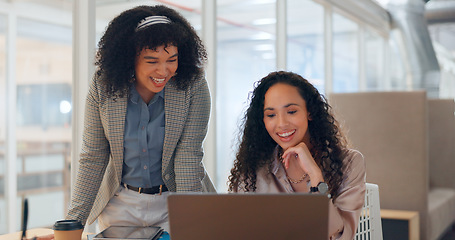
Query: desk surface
x=35, y=232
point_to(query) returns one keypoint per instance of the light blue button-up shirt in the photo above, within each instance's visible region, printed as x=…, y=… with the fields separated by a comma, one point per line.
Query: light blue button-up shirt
x=143, y=140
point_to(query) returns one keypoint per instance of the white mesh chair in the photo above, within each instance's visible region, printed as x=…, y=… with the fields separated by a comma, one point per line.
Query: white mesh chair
x=370, y=226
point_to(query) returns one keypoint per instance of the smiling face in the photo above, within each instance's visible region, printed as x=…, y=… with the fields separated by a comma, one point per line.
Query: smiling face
x=154, y=68
x=286, y=116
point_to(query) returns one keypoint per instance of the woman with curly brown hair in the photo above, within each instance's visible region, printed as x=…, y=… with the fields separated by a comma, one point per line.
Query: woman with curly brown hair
x=291, y=143
x=146, y=116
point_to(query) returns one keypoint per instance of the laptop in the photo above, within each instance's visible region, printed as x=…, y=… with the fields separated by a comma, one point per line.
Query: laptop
x=208, y=216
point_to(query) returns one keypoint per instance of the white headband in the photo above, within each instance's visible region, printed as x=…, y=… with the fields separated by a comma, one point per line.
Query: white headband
x=152, y=20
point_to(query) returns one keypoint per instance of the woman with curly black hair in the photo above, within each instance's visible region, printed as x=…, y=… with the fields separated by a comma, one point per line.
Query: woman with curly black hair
x=146, y=116
x=291, y=143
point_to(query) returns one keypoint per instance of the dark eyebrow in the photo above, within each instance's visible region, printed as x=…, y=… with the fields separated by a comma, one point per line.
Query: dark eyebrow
x=285, y=106
x=291, y=104
x=150, y=57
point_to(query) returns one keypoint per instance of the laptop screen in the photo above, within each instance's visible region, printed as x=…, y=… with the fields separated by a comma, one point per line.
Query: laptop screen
x=202, y=216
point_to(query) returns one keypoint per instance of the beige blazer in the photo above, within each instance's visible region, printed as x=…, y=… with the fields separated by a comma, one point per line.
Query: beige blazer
x=101, y=160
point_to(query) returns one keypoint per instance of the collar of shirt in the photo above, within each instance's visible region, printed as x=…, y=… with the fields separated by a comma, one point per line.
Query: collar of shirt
x=278, y=173
x=135, y=97
x=276, y=164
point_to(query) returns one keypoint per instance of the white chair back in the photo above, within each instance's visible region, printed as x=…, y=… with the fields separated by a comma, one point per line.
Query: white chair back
x=370, y=227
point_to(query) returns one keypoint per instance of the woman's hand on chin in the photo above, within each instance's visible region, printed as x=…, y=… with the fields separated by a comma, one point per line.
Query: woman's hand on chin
x=302, y=154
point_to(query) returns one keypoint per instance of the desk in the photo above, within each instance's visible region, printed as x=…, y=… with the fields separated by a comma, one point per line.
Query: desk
x=35, y=232
x=400, y=223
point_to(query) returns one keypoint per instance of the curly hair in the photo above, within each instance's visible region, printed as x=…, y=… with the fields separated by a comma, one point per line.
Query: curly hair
x=121, y=43
x=256, y=148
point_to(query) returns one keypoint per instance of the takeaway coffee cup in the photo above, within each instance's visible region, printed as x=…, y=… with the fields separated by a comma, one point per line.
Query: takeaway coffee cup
x=68, y=230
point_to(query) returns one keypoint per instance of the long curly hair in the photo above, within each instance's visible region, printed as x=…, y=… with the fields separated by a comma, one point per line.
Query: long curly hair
x=121, y=43
x=256, y=149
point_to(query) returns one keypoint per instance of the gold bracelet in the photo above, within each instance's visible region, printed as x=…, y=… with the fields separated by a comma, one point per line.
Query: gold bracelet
x=296, y=181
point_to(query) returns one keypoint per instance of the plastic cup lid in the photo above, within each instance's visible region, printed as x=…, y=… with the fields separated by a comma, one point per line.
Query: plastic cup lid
x=65, y=225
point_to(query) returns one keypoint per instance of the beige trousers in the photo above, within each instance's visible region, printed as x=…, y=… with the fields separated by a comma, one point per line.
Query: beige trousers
x=130, y=208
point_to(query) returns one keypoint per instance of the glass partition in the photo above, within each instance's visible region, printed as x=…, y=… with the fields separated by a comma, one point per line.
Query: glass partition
x=245, y=54
x=374, y=61
x=396, y=62
x=345, y=54
x=3, y=224
x=106, y=10
x=43, y=125
x=305, y=49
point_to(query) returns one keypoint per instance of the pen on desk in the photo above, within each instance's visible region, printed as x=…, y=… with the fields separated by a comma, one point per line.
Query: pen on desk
x=24, y=218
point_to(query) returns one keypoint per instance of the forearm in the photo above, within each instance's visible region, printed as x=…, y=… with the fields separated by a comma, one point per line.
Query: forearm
x=86, y=186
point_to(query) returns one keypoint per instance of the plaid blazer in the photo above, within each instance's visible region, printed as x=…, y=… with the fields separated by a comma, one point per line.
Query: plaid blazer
x=101, y=159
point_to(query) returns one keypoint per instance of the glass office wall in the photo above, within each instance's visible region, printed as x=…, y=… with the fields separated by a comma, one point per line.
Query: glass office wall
x=43, y=125
x=305, y=40
x=345, y=54
x=245, y=54
x=374, y=61
x=40, y=62
x=106, y=10
x=3, y=224
x=396, y=62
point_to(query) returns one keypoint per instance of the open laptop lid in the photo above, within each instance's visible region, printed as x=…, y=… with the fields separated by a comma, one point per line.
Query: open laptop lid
x=248, y=216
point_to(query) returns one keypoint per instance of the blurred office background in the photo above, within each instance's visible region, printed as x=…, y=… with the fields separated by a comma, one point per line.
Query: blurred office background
x=46, y=62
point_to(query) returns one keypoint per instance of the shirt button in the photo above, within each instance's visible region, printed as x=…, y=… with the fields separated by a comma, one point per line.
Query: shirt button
x=142, y=127
x=145, y=167
x=143, y=150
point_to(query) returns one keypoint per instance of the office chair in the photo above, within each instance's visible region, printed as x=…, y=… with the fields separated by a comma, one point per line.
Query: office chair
x=370, y=227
